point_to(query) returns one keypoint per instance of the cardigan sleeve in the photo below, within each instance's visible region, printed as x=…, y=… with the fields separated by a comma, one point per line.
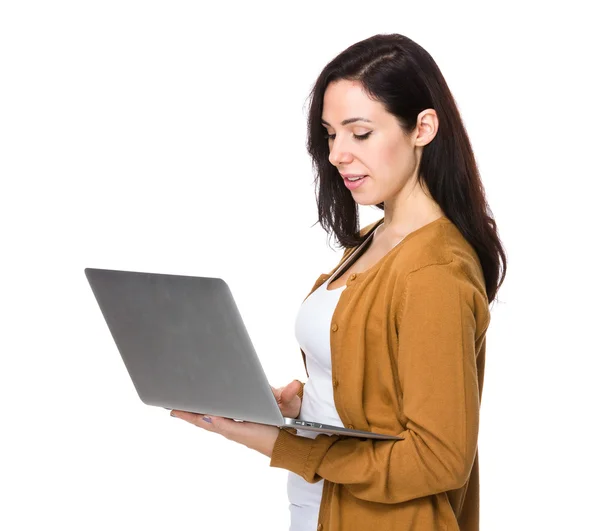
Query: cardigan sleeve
x=437, y=350
x=300, y=393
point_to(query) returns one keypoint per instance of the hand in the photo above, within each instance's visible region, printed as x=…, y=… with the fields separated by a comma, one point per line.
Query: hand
x=257, y=437
x=288, y=400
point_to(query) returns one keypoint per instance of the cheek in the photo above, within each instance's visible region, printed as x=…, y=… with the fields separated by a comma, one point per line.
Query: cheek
x=389, y=160
x=380, y=158
x=390, y=155
x=398, y=160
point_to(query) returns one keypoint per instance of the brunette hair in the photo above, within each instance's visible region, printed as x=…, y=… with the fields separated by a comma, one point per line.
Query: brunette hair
x=401, y=75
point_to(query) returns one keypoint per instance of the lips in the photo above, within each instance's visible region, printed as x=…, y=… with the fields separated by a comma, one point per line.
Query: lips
x=353, y=182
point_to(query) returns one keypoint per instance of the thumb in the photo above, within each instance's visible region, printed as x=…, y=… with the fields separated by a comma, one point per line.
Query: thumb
x=276, y=392
x=290, y=391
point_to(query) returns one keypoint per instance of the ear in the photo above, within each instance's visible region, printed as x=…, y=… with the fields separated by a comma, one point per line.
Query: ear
x=427, y=126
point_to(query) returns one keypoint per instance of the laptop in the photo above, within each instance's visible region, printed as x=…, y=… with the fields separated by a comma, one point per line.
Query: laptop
x=185, y=346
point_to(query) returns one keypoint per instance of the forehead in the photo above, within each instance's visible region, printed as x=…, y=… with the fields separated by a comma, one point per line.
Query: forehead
x=345, y=99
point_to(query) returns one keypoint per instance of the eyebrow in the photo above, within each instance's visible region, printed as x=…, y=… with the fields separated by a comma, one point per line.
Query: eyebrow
x=349, y=121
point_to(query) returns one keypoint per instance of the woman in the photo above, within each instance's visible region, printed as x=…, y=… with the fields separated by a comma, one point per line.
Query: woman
x=393, y=338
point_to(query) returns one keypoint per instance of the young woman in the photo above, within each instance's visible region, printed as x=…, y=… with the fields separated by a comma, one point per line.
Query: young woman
x=393, y=339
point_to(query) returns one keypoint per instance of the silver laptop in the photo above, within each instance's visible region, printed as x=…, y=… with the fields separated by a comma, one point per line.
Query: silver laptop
x=185, y=346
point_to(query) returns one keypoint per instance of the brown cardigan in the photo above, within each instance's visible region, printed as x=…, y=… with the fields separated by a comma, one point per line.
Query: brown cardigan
x=407, y=356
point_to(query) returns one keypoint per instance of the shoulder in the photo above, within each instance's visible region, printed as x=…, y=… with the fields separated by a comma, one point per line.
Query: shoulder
x=437, y=260
x=439, y=247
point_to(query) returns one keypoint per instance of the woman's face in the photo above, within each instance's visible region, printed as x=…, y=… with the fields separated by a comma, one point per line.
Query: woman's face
x=365, y=139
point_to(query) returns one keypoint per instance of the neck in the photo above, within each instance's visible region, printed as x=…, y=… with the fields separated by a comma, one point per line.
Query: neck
x=410, y=210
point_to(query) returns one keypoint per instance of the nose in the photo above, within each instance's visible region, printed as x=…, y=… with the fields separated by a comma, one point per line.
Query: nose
x=337, y=154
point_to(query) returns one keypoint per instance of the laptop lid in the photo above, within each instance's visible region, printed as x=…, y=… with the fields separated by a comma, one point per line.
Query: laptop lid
x=184, y=344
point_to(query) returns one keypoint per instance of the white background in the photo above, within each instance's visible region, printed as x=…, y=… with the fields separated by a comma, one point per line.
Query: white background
x=169, y=137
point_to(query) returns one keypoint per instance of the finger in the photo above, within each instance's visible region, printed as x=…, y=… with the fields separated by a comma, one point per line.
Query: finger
x=200, y=420
x=277, y=393
x=224, y=426
x=221, y=425
x=290, y=391
x=228, y=428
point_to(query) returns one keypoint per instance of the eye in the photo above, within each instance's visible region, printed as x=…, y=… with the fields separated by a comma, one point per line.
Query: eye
x=357, y=137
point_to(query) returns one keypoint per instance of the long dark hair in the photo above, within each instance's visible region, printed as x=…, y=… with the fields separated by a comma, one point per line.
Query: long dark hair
x=401, y=75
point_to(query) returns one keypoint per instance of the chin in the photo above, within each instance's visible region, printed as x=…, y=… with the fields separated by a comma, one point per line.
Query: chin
x=367, y=201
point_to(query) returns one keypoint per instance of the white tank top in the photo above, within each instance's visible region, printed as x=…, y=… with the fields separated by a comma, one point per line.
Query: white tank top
x=312, y=331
